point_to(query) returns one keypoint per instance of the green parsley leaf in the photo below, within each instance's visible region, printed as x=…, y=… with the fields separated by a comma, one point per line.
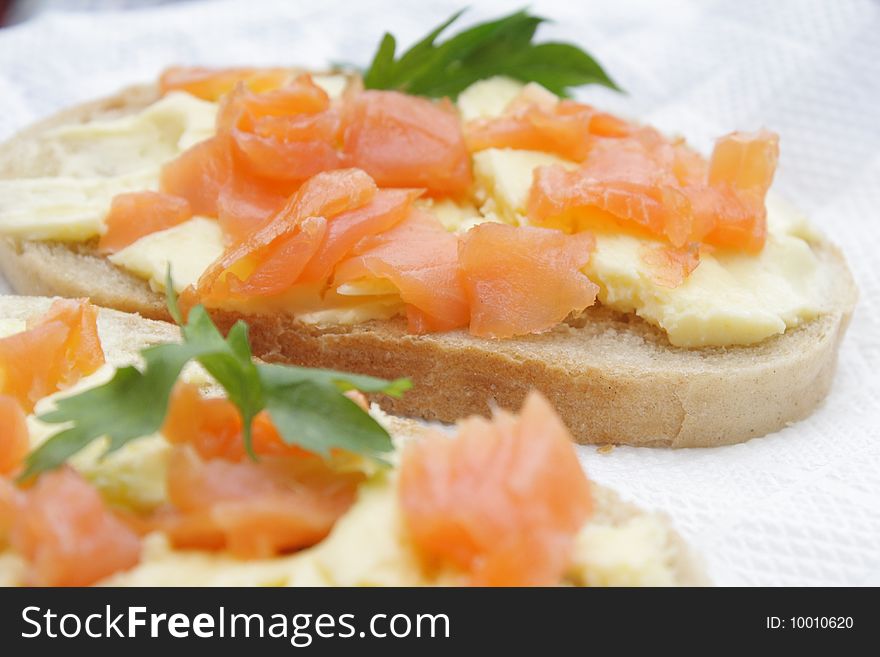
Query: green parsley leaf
x=306, y=405
x=500, y=47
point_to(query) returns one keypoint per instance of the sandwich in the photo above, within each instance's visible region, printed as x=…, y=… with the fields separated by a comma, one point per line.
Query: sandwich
x=134, y=453
x=452, y=216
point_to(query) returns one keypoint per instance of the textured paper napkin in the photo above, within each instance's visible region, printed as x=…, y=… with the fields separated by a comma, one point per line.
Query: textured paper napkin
x=800, y=507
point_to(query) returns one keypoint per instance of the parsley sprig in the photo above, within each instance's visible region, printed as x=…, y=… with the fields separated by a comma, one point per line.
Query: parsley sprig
x=501, y=47
x=307, y=405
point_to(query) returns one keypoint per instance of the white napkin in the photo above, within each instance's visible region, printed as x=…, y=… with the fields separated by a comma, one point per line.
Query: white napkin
x=800, y=507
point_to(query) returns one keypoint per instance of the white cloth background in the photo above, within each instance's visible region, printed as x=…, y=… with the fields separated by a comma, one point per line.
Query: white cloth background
x=801, y=507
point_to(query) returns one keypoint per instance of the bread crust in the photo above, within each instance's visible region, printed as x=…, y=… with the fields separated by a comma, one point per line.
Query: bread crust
x=614, y=378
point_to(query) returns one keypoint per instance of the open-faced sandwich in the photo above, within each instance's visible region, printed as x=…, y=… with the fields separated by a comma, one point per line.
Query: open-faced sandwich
x=130, y=456
x=450, y=216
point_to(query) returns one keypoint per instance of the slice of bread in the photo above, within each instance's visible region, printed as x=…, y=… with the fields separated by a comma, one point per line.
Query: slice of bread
x=614, y=378
x=123, y=335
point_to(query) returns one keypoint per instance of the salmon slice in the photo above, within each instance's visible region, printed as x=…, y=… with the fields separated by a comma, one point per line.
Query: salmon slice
x=286, y=160
x=199, y=174
x=271, y=259
x=388, y=208
x=67, y=534
x=244, y=204
x=502, y=500
x=10, y=502
x=741, y=171
x=134, y=215
x=213, y=427
x=566, y=128
x=213, y=83
x=53, y=353
x=407, y=141
x=254, y=509
x=14, y=441
x=420, y=258
x=522, y=280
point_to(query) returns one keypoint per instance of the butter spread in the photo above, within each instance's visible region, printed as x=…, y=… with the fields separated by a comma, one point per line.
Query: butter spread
x=633, y=553
x=96, y=161
x=10, y=326
x=189, y=248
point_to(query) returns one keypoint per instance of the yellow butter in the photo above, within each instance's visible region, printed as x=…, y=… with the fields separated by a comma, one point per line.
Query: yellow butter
x=144, y=139
x=634, y=553
x=504, y=177
x=66, y=209
x=9, y=326
x=189, y=248
x=96, y=161
x=358, y=302
x=334, y=84
x=488, y=98
x=452, y=214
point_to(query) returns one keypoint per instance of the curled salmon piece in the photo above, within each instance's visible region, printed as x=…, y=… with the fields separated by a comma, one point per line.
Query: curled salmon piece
x=563, y=127
x=213, y=426
x=137, y=214
x=407, y=141
x=741, y=171
x=14, y=442
x=287, y=134
x=524, y=279
x=67, y=534
x=214, y=83
x=54, y=352
x=502, y=500
x=271, y=259
x=420, y=258
x=266, y=145
x=255, y=509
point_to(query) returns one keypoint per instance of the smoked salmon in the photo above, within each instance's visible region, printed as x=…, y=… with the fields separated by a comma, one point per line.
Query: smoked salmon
x=136, y=214
x=213, y=426
x=541, y=122
x=502, y=500
x=279, y=133
x=301, y=241
x=214, y=83
x=54, y=352
x=660, y=188
x=288, y=134
x=407, y=141
x=67, y=534
x=255, y=509
x=14, y=443
x=524, y=279
x=420, y=258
